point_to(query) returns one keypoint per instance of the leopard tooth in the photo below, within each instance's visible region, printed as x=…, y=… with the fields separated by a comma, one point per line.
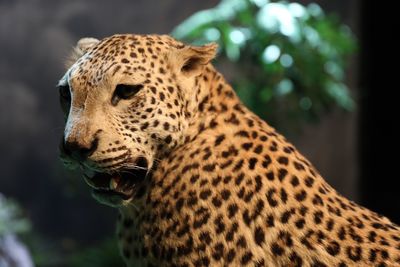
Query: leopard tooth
x=113, y=183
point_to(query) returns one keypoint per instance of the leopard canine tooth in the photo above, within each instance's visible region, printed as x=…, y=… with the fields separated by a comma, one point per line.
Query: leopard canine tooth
x=114, y=183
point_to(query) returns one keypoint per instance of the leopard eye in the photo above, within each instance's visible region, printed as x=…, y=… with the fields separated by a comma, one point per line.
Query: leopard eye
x=65, y=99
x=65, y=93
x=125, y=91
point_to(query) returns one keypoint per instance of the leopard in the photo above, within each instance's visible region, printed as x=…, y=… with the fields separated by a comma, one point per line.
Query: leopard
x=199, y=179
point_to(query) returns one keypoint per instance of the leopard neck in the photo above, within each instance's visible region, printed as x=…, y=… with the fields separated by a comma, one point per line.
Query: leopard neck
x=213, y=97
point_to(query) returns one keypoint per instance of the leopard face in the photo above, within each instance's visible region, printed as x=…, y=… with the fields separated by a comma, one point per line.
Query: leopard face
x=127, y=101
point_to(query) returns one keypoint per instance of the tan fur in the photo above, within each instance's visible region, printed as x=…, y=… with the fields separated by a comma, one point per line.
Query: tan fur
x=224, y=188
x=80, y=49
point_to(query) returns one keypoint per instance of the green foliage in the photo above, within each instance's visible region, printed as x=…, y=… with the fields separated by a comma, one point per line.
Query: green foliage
x=47, y=253
x=104, y=255
x=288, y=59
x=11, y=218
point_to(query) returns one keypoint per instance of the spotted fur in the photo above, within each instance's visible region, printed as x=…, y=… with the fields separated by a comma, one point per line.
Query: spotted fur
x=223, y=187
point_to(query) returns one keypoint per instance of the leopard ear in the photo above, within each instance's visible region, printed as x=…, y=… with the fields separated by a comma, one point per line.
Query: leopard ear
x=190, y=60
x=80, y=49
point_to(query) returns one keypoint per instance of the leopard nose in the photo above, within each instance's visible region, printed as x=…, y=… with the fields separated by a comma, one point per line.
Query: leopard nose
x=78, y=150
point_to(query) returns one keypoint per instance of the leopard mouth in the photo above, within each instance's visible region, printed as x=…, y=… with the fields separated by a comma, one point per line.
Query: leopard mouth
x=117, y=186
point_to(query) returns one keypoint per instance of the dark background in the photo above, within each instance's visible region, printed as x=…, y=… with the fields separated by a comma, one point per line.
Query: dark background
x=351, y=150
x=379, y=101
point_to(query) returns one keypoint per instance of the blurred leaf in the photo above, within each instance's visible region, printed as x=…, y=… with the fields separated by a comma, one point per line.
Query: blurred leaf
x=11, y=217
x=292, y=57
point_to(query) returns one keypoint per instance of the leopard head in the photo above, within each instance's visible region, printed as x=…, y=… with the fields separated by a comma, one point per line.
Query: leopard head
x=127, y=100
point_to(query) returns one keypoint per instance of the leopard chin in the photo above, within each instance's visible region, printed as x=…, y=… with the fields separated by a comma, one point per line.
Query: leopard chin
x=118, y=187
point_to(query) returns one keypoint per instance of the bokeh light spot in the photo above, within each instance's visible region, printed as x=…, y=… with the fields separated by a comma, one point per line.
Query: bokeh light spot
x=305, y=103
x=212, y=34
x=284, y=87
x=271, y=54
x=286, y=60
x=314, y=9
x=237, y=37
x=297, y=10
